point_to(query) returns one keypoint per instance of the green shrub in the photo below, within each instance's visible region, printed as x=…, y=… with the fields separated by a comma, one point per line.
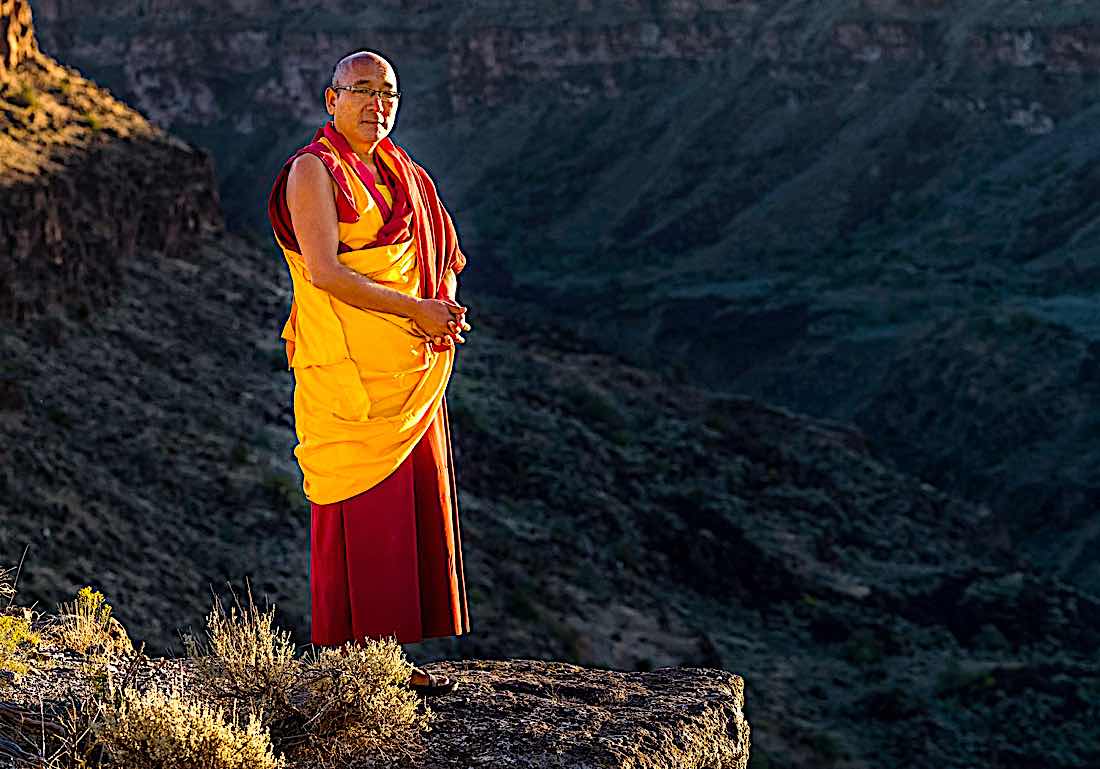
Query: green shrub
x=238, y=455
x=827, y=747
x=26, y=96
x=283, y=490
x=93, y=122
x=16, y=639
x=596, y=406
x=863, y=648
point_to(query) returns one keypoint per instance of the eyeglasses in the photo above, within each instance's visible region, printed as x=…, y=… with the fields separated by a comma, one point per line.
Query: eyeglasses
x=362, y=89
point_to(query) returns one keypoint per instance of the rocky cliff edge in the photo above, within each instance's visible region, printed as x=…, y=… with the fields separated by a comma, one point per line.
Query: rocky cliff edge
x=86, y=183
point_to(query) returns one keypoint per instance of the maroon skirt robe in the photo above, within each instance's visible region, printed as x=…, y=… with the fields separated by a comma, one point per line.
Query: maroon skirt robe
x=388, y=561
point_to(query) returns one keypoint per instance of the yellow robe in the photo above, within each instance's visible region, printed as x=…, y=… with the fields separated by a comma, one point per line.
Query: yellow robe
x=367, y=384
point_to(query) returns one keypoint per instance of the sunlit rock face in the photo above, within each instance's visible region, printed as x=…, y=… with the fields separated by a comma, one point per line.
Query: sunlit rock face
x=17, y=41
x=245, y=79
x=86, y=183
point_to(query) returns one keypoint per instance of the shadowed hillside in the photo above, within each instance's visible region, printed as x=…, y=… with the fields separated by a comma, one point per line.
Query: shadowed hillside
x=879, y=212
x=660, y=525
x=612, y=516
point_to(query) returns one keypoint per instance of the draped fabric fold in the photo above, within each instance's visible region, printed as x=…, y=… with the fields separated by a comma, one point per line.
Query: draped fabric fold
x=415, y=200
x=368, y=386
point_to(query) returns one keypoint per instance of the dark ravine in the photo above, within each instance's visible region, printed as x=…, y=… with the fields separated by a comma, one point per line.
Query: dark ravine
x=613, y=518
x=832, y=194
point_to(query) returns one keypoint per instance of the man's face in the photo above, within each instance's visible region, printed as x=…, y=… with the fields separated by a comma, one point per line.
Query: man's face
x=364, y=118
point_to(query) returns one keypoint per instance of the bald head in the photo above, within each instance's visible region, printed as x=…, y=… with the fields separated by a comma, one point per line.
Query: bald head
x=363, y=99
x=360, y=65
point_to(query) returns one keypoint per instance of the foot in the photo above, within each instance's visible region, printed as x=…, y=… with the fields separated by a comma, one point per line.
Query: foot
x=427, y=683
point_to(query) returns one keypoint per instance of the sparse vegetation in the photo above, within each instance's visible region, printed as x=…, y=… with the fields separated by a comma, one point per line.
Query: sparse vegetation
x=863, y=648
x=246, y=701
x=86, y=627
x=358, y=706
x=7, y=587
x=25, y=96
x=595, y=405
x=521, y=606
x=957, y=681
x=827, y=747
x=238, y=455
x=93, y=122
x=244, y=657
x=58, y=416
x=332, y=705
x=16, y=639
x=157, y=729
x=283, y=490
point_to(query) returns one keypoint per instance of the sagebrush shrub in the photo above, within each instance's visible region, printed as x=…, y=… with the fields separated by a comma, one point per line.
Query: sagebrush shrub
x=244, y=657
x=155, y=729
x=359, y=705
x=333, y=707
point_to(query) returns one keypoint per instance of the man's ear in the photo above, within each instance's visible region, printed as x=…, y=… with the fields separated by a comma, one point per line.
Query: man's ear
x=330, y=98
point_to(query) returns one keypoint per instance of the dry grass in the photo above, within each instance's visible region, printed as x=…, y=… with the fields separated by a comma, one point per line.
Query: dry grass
x=123, y=726
x=7, y=586
x=60, y=733
x=248, y=701
x=86, y=626
x=331, y=708
x=157, y=729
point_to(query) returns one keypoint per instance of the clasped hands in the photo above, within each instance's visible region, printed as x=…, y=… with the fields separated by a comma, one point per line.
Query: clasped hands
x=441, y=321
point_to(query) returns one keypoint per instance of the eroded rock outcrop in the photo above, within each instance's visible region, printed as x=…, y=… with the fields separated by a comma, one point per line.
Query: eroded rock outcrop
x=85, y=184
x=515, y=714
x=551, y=715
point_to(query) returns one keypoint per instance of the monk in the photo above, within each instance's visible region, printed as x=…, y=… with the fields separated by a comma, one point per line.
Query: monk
x=371, y=339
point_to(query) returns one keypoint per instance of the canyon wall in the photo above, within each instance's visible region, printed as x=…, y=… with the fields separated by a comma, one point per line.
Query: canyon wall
x=85, y=184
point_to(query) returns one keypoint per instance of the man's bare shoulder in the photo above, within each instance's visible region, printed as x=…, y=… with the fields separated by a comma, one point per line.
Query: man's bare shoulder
x=309, y=181
x=308, y=167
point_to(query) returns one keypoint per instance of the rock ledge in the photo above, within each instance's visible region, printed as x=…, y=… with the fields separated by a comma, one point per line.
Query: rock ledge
x=551, y=715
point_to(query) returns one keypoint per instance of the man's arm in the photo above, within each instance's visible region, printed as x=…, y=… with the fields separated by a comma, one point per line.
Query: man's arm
x=309, y=195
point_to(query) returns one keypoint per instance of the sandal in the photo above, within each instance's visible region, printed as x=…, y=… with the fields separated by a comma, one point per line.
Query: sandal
x=437, y=684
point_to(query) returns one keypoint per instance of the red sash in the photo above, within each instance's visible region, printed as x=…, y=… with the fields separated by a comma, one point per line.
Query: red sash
x=416, y=212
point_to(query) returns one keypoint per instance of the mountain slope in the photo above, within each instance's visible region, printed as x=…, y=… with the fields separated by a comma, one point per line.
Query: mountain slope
x=817, y=204
x=612, y=516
